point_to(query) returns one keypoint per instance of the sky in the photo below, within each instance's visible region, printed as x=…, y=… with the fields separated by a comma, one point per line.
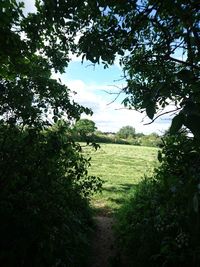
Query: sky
x=97, y=88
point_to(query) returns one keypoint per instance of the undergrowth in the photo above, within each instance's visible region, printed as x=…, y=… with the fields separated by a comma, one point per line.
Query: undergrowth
x=44, y=198
x=159, y=225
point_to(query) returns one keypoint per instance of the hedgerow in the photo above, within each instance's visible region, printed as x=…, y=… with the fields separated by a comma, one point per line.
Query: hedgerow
x=159, y=225
x=44, y=208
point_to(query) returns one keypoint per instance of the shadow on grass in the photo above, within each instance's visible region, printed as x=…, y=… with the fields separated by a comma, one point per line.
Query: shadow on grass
x=120, y=188
x=117, y=200
x=123, y=190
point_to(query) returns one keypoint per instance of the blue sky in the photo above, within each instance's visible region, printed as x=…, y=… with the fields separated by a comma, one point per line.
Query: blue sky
x=91, y=82
x=93, y=85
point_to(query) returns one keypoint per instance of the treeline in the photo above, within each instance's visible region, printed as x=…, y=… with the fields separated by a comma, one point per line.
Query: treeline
x=85, y=130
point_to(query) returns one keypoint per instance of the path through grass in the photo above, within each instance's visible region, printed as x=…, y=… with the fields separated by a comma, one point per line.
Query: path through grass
x=121, y=167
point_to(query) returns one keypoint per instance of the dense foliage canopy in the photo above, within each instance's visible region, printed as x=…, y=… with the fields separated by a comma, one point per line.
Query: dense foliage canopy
x=43, y=175
x=158, y=42
x=159, y=223
x=160, y=47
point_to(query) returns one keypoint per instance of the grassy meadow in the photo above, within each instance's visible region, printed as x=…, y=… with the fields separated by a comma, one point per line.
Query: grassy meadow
x=121, y=167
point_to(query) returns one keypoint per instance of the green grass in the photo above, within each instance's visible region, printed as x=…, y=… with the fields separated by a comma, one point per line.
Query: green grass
x=121, y=167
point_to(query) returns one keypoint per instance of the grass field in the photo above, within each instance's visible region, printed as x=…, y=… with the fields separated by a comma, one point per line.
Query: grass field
x=121, y=167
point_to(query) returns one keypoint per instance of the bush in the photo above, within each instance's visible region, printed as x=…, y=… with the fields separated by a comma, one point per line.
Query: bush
x=44, y=210
x=152, y=140
x=159, y=225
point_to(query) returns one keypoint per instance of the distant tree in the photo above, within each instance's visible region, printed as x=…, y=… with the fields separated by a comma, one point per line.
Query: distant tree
x=152, y=139
x=126, y=132
x=139, y=135
x=85, y=127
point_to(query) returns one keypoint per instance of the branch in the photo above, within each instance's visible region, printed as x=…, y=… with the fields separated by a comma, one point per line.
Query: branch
x=164, y=113
x=91, y=65
x=197, y=39
x=118, y=94
x=110, y=93
x=118, y=80
x=183, y=62
x=179, y=45
x=118, y=87
x=124, y=109
x=115, y=93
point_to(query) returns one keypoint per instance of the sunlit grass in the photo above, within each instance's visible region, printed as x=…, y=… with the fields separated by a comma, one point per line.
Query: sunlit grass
x=121, y=167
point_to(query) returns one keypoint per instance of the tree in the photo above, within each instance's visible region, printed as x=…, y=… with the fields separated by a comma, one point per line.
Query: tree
x=85, y=127
x=32, y=48
x=44, y=186
x=154, y=225
x=152, y=139
x=162, y=46
x=126, y=132
x=161, y=41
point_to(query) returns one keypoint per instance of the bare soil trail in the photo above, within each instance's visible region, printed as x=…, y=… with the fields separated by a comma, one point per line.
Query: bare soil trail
x=104, y=249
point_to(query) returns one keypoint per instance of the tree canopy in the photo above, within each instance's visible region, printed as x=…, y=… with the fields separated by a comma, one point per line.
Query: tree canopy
x=159, y=44
x=32, y=47
x=44, y=183
x=126, y=132
x=85, y=127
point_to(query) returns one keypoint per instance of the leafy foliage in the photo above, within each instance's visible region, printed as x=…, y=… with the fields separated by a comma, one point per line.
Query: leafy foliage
x=44, y=180
x=44, y=210
x=126, y=132
x=152, y=139
x=159, y=225
x=84, y=129
x=159, y=46
x=160, y=40
x=45, y=188
x=138, y=139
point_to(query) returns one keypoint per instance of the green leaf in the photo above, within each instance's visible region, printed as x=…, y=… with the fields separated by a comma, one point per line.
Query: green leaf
x=195, y=203
x=150, y=110
x=83, y=56
x=55, y=119
x=192, y=122
x=177, y=123
x=190, y=107
x=159, y=156
x=185, y=75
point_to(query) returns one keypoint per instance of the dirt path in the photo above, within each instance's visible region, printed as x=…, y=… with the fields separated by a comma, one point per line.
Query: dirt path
x=105, y=252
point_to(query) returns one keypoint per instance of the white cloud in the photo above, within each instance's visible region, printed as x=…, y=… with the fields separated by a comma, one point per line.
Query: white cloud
x=107, y=117
x=111, y=117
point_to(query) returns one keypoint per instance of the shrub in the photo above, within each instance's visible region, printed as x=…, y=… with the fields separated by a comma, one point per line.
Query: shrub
x=152, y=140
x=45, y=216
x=159, y=225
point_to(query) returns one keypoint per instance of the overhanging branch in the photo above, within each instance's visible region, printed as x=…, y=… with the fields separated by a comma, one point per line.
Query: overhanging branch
x=183, y=62
x=164, y=113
